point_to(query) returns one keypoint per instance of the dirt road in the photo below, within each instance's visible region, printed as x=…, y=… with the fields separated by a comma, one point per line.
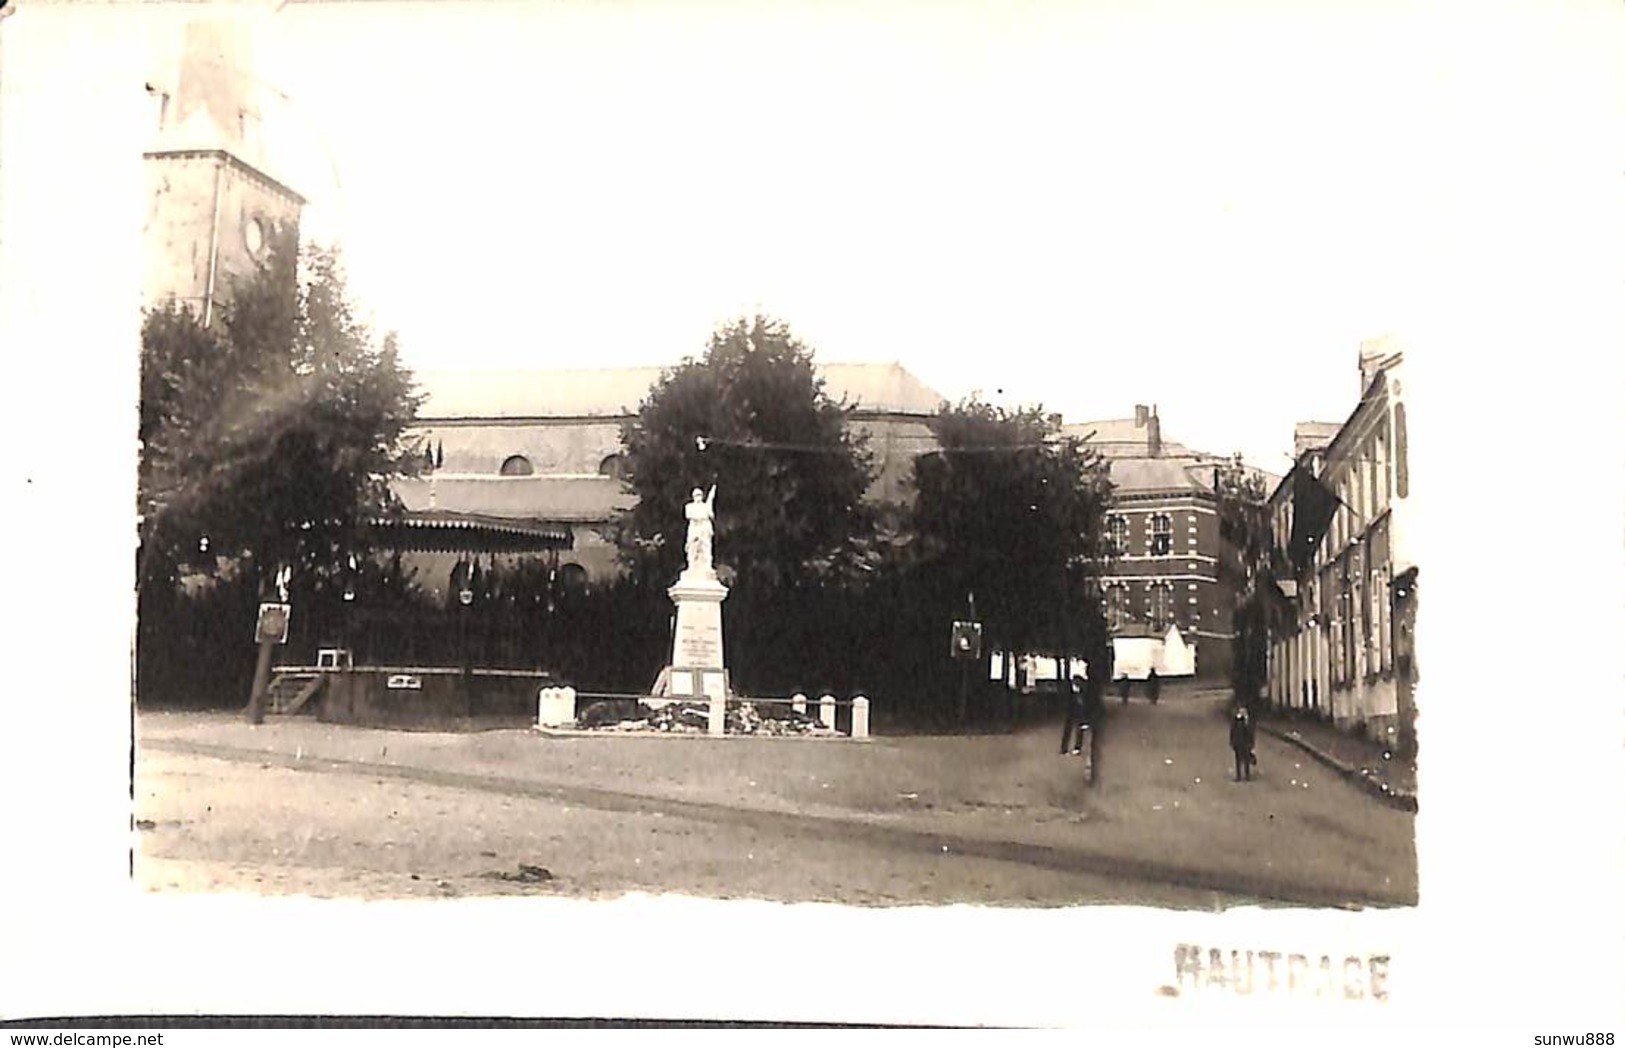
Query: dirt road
x=297, y=806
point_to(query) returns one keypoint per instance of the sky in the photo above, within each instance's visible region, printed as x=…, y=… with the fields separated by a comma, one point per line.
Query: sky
x=1084, y=205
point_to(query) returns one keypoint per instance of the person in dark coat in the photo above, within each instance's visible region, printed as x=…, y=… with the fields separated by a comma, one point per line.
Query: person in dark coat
x=1241, y=744
x=1153, y=686
x=1077, y=717
x=1123, y=686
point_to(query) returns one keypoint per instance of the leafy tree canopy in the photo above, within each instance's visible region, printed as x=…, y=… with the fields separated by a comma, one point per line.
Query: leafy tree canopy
x=1252, y=559
x=752, y=417
x=270, y=437
x=1012, y=511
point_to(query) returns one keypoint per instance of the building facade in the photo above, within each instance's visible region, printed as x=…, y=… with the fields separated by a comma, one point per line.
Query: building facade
x=1346, y=652
x=545, y=447
x=1164, y=596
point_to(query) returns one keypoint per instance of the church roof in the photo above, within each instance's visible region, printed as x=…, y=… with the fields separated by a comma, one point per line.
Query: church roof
x=560, y=499
x=618, y=392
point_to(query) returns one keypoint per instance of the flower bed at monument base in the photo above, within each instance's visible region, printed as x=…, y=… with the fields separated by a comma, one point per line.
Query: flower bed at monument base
x=742, y=717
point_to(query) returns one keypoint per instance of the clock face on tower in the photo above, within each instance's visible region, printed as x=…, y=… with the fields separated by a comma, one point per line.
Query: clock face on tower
x=254, y=237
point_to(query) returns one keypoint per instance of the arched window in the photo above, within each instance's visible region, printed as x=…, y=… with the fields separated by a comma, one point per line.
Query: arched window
x=613, y=466
x=516, y=466
x=572, y=577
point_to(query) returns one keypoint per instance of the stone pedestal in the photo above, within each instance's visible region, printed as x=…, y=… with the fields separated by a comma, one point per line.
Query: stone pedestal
x=698, y=670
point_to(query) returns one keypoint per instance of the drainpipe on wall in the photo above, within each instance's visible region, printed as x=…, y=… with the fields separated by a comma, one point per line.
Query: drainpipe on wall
x=214, y=243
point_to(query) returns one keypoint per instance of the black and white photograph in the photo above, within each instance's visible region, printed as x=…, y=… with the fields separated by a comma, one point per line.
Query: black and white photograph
x=668, y=509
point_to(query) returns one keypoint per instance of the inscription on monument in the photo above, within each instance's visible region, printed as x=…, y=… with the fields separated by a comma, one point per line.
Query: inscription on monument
x=700, y=645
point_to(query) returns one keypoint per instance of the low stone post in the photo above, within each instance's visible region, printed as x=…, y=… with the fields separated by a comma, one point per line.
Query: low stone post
x=860, y=718
x=719, y=715
x=798, y=702
x=826, y=711
x=555, y=707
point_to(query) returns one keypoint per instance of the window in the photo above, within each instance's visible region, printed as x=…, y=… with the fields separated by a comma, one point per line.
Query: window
x=1402, y=476
x=1348, y=637
x=1337, y=650
x=1116, y=535
x=1381, y=493
x=1162, y=534
x=1382, y=620
x=613, y=466
x=1359, y=627
x=1117, y=614
x=516, y=466
x=1160, y=605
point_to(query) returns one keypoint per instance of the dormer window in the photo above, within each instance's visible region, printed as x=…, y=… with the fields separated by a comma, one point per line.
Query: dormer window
x=516, y=466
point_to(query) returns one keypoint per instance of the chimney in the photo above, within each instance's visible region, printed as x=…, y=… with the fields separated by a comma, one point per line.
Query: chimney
x=1375, y=353
x=1141, y=413
x=1153, y=434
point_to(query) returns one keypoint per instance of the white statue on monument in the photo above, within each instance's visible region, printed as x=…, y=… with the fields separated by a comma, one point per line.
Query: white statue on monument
x=698, y=669
x=701, y=513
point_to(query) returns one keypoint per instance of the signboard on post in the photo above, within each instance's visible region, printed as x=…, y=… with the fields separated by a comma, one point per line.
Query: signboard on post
x=967, y=640
x=272, y=625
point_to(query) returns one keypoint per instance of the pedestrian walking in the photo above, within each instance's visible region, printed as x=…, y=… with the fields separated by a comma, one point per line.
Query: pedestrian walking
x=1123, y=686
x=1153, y=686
x=1077, y=718
x=1241, y=744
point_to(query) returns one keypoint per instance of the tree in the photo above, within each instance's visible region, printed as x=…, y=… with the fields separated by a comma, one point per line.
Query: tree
x=1013, y=511
x=752, y=417
x=267, y=439
x=1251, y=560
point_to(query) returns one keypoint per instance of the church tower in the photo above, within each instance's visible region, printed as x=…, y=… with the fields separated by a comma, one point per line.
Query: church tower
x=213, y=210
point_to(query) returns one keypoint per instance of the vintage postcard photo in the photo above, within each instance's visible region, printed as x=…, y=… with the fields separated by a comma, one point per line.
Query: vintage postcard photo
x=776, y=481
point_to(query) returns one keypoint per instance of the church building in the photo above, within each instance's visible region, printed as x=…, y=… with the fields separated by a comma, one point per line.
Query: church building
x=214, y=209
x=543, y=448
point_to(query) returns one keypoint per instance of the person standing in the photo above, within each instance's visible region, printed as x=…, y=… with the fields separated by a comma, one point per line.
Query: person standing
x=1077, y=720
x=1153, y=686
x=1123, y=686
x=1241, y=744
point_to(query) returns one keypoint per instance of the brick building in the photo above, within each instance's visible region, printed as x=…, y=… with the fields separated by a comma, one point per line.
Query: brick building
x=1165, y=600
